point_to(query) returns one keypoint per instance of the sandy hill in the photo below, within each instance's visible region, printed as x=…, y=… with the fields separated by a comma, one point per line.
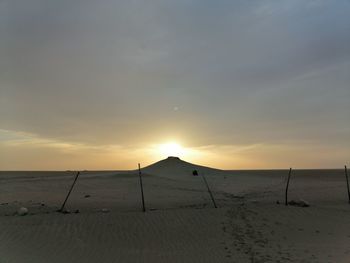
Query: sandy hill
x=176, y=168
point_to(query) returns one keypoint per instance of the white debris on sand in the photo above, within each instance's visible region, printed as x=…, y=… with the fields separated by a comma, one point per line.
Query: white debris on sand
x=300, y=203
x=22, y=211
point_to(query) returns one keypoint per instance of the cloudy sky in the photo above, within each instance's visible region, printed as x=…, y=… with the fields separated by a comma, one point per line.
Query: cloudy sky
x=238, y=84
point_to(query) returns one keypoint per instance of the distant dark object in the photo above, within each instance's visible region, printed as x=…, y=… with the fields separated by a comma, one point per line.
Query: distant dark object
x=300, y=203
x=278, y=202
x=195, y=173
x=77, y=211
x=87, y=196
x=173, y=158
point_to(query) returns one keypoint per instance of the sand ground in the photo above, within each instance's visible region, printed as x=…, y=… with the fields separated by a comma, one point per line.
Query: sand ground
x=181, y=224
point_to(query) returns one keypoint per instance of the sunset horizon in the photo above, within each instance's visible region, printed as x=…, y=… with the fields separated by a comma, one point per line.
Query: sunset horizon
x=239, y=85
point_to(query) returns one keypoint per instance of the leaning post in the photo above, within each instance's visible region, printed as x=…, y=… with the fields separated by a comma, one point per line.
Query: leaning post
x=286, y=194
x=209, y=191
x=347, y=182
x=141, y=186
x=70, y=190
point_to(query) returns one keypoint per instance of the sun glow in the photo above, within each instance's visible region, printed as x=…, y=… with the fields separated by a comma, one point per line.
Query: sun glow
x=171, y=149
x=175, y=149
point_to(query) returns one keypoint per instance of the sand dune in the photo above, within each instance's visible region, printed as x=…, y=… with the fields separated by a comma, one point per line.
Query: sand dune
x=175, y=168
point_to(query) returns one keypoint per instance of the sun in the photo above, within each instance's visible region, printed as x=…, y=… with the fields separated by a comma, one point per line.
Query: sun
x=171, y=149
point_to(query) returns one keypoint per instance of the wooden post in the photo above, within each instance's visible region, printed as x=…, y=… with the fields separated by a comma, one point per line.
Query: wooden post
x=286, y=198
x=70, y=190
x=143, y=199
x=210, y=193
x=347, y=182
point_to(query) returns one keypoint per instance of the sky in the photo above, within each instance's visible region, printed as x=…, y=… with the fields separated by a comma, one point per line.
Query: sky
x=236, y=84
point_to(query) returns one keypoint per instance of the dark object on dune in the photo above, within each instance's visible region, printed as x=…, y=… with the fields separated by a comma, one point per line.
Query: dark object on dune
x=300, y=203
x=87, y=196
x=195, y=173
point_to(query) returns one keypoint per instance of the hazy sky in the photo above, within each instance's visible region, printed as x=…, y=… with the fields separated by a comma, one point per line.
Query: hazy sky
x=239, y=84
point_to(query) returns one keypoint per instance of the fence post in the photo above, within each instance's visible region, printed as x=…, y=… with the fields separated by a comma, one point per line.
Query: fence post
x=70, y=190
x=347, y=182
x=210, y=193
x=286, y=194
x=143, y=199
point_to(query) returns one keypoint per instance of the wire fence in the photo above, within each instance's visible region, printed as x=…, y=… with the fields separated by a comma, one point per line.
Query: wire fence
x=120, y=191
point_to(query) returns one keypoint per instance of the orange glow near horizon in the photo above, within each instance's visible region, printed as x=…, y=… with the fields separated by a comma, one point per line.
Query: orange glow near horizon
x=176, y=149
x=33, y=152
x=171, y=149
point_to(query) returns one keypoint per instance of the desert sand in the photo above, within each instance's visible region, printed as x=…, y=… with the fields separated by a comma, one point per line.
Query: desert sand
x=106, y=222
